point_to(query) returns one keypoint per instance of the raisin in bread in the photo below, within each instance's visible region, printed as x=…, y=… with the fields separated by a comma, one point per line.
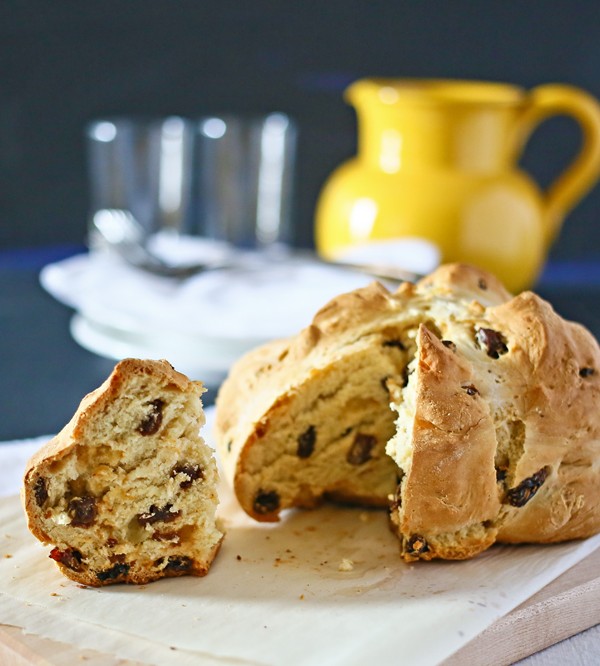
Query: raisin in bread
x=493, y=432
x=126, y=492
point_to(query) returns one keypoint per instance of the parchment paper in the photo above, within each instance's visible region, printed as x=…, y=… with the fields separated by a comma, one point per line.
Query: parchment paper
x=324, y=586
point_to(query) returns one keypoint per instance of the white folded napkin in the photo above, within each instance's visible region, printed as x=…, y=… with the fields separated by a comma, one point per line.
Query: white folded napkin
x=204, y=323
x=259, y=301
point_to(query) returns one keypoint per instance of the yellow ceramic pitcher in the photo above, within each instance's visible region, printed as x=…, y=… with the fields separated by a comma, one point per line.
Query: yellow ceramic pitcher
x=438, y=160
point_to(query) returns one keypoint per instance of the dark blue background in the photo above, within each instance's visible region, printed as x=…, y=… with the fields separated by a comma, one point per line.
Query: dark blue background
x=63, y=63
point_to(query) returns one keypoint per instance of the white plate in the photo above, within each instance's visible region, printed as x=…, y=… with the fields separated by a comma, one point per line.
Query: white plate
x=200, y=358
x=201, y=324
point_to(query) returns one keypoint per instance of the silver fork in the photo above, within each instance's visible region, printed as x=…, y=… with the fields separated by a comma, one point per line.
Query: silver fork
x=121, y=232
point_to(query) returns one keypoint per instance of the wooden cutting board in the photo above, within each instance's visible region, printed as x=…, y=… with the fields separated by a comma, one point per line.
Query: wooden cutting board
x=567, y=606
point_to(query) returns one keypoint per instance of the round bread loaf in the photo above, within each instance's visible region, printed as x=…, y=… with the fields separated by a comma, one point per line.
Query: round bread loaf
x=126, y=492
x=473, y=415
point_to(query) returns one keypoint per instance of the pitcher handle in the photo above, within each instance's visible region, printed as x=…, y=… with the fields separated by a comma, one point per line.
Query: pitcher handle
x=579, y=177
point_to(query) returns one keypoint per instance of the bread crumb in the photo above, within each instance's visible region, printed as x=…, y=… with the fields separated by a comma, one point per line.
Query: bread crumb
x=8, y=556
x=346, y=565
x=364, y=517
x=301, y=597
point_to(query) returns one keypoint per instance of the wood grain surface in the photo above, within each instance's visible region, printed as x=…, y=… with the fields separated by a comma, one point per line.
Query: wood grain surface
x=568, y=605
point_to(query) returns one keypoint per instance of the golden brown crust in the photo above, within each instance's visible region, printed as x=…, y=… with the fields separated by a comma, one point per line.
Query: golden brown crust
x=524, y=445
x=556, y=365
x=463, y=282
x=452, y=437
x=95, y=402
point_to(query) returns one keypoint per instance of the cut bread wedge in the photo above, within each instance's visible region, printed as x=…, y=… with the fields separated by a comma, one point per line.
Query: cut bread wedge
x=126, y=492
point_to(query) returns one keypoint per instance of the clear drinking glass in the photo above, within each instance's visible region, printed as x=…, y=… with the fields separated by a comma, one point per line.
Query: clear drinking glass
x=142, y=166
x=243, y=179
x=226, y=178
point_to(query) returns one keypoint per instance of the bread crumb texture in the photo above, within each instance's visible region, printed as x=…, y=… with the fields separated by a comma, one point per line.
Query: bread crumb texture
x=473, y=415
x=346, y=565
x=126, y=492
